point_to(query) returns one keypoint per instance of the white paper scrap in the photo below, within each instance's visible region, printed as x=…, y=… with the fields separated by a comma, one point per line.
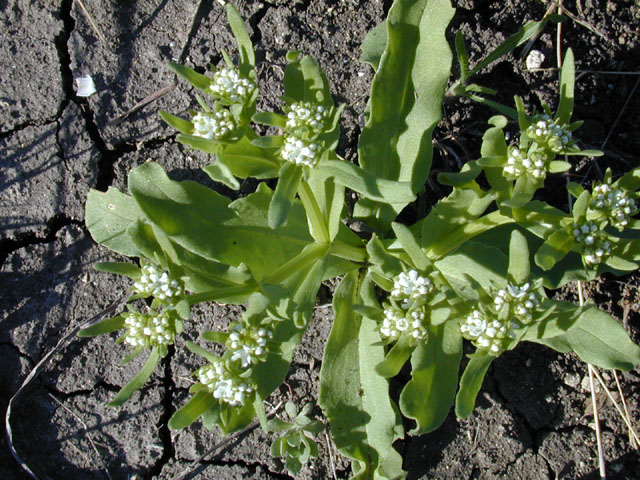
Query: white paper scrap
x=85, y=86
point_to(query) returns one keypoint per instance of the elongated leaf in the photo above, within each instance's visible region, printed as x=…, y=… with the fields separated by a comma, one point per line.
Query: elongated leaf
x=366, y=183
x=411, y=246
x=131, y=270
x=108, y=215
x=243, y=159
x=199, y=143
x=567, y=81
x=428, y=396
x=554, y=249
x=354, y=399
x=406, y=102
x=105, y=326
x=245, y=47
x=194, y=78
x=194, y=408
x=219, y=172
x=519, y=269
x=285, y=194
x=395, y=358
x=270, y=118
x=138, y=381
x=180, y=124
x=203, y=222
x=470, y=384
x=598, y=338
x=330, y=197
x=374, y=45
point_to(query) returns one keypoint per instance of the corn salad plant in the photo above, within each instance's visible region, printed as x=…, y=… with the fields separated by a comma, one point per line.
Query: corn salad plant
x=477, y=268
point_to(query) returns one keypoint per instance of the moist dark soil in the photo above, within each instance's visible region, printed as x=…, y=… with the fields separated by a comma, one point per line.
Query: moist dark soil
x=533, y=418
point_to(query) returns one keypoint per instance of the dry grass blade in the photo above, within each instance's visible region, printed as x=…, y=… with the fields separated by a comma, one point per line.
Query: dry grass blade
x=331, y=462
x=35, y=372
x=624, y=107
x=86, y=431
x=92, y=23
x=627, y=415
x=220, y=445
x=525, y=51
x=585, y=24
x=142, y=103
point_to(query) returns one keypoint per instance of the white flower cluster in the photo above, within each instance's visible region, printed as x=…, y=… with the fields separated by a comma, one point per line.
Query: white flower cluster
x=615, y=203
x=521, y=302
x=224, y=384
x=300, y=152
x=231, y=86
x=410, y=286
x=485, y=333
x=156, y=283
x=518, y=164
x=398, y=322
x=248, y=344
x=148, y=330
x=213, y=125
x=306, y=115
x=549, y=132
x=594, y=247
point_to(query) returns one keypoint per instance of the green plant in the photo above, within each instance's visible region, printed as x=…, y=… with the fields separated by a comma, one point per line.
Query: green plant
x=476, y=267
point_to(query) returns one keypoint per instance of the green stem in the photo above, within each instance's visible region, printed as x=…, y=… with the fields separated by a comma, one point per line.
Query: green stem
x=314, y=214
x=221, y=293
x=306, y=257
x=349, y=252
x=467, y=232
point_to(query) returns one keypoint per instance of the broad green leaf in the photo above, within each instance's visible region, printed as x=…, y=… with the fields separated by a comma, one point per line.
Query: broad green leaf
x=366, y=183
x=598, y=338
x=105, y=326
x=554, y=249
x=245, y=47
x=353, y=397
x=180, y=124
x=428, y=396
x=243, y=159
x=284, y=194
x=494, y=145
x=558, y=166
x=470, y=384
x=395, y=358
x=567, y=81
x=199, y=143
x=203, y=222
x=330, y=198
x=270, y=118
x=519, y=269
x=131, y=270
x=219, y=172
x=378, y=255
x=196, y=79
x=138, y=381
x=411, y=246
x=268, y=141
x=305, y=82
x=406, y=102
x=194, y=408
x=108, y=215
x=374, y=45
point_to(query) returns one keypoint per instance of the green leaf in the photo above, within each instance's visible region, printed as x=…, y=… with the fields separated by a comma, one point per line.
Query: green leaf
x=304, y=81
x=406, y=103
x=519, y=269
x=199, y=143
x=194, y=408
x=470, y=384
x=567, y=81
x=138, y=381
x=108, y=215
x=374, y=45
x=277, y=425
x=219, y=172
x=366, y=183
x=411, y=246
x=330, y=198
x=105, y=326
x=554, y=249
x=395, y=358
x=244, y=160
x=196, y=79
x=428, y=396
x=285, y=194
x=203, y=222
x=270, y=118
x=598, y=338
x=245, y=47
x=131, y=270
x=463, y=57
x=557, y=166
x=523, y=35
x=180, y=124
x=354, y=399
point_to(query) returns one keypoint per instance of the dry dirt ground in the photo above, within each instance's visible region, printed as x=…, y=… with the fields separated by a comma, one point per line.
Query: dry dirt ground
x=533, y=418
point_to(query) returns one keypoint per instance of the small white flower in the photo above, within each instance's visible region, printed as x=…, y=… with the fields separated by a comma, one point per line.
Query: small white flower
x=519, y=164
x=248, y=344
x=484, y=333
x=306, y=115
x=213, y=125
x=409, y=287
x=231, y=86
x=223, y=384
x=300, y=152
x=615, y=203
x=147, y=330
x=397, y=322
x=153, y=282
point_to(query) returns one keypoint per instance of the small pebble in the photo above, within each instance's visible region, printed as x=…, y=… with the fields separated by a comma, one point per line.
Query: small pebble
x=534, y=59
